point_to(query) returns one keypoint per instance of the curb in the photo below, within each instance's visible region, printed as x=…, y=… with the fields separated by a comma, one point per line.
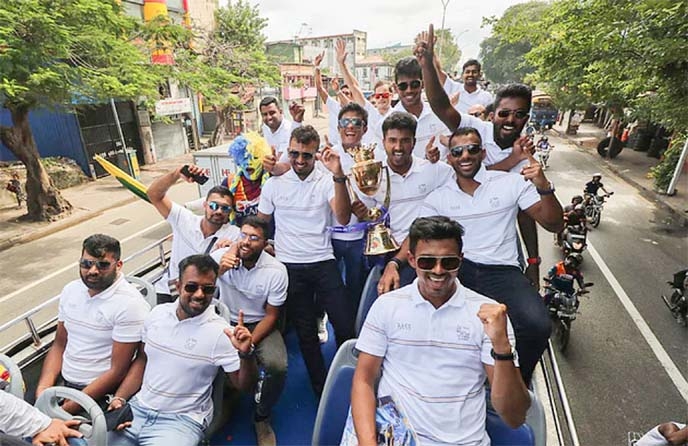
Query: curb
x=60, y=225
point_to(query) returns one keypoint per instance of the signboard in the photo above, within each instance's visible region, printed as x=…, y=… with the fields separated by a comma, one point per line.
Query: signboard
x=176, y=106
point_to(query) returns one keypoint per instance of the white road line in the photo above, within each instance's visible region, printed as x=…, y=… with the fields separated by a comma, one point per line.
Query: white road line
x=71, y=266
x=661, y=354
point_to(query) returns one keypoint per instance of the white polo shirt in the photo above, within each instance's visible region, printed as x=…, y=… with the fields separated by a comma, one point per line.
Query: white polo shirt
x=250, y=289
x=408, y=193
x=188, y=239
x=301, y=209
x=279, y=139
x=488, y=217
x=493, y=153
x=333, y=109
x=466, y=99
x=183, y=359
x=93, y=323
x=429, y=125
x=433, y=361
x=20, y=419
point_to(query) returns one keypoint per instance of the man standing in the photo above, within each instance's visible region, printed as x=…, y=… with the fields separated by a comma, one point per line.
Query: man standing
x=184, y=345
x=302, y=201
x=254, y=282
x=191, y=234
x=437, y=342
x=276, y=129
x=99, y=323
x=469, y=91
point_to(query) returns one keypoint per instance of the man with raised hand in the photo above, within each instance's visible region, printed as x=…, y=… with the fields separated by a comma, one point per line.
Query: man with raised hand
x=276, y=128
x=469, y=91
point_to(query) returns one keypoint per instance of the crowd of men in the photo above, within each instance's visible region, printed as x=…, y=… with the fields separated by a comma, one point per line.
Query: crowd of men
x=459, y=302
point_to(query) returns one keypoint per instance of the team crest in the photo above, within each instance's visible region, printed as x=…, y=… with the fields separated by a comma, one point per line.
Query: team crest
x=422, y=188
x=494, y=202
x=190, y=343
x=463, y=333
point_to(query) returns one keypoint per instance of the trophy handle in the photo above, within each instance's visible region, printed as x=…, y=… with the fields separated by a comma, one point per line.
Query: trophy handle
x=388, y=192
x=352, y=193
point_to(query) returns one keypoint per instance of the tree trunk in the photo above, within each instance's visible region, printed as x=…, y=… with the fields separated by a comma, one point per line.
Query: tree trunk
x=44, y=201
x=220, y=124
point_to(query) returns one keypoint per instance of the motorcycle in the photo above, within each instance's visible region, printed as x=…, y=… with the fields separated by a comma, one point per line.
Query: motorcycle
x=594, y=206
x=574, y=242
x=563, y=308
x=542, y=154
x=677, y=302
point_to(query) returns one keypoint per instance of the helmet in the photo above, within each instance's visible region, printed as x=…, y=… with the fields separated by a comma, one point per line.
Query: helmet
x=577, y=199
x=571, y=261
x=598, y=175
x=544, y=138
x=579, y=207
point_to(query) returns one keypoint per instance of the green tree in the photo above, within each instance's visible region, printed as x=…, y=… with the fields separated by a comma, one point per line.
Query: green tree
x=226, y=64
x=449, y=51
x=57, y=54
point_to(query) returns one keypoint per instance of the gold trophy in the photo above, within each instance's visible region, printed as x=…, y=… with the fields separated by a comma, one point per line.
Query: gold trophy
x=368, y=174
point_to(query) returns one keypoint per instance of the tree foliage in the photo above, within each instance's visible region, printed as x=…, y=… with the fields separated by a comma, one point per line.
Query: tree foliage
x=448, y=50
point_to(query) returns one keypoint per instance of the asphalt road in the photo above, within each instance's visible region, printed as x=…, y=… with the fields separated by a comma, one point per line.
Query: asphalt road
x=613, y=373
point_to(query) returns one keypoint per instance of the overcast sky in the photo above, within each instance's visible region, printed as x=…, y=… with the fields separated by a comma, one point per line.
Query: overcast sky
x=387, y=22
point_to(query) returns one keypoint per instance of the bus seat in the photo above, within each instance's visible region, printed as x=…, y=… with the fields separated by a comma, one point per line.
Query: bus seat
x=16, y=381
x=368, y=296
x=336, y=397
x=146, y=289
x=222, y=310
x=95, y=430
x=217, y=395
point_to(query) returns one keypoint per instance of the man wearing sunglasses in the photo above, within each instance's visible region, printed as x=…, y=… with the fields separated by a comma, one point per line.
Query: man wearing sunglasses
x=191, y=234
x=100, y=320
x=437, y=341
x=253, y=281
x=185, y=343
x=302, y=202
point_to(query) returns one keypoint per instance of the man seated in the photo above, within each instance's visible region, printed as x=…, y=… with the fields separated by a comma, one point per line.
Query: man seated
x=437, y=342
x=593, y=186
x=575, y=200
x=100, y=319
x=184, y=345
x=575, y=219
x=561, y=276
x=255, y=282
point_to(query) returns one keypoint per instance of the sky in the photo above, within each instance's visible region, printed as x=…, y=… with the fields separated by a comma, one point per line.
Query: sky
x=387, y=22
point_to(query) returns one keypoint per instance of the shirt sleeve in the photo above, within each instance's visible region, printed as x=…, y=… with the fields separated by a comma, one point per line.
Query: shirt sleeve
x=218, y=253
x=451, y=86
x=277, y=294
x=18, y=418
x=528, y=195
x=332, y=106
x=225, y=355
x=129, y=322
x=373, y=338
x=266, y=205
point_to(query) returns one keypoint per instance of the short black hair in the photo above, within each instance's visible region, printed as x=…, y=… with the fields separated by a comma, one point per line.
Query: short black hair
x=513, y=91
x=399, y=121
x=344, y=86
x=435, y=228
x=203, y=263
x=489, y=108
x=470, y=62
x=355, y=108
x=255, y=222
x=98, y=245
x=267, y=100
x=461, y=131
x=305, y=134
x=221, y=191
x=409, y=67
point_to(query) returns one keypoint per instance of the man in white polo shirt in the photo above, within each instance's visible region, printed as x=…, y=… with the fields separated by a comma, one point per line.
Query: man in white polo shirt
x=255, y=282
x=276, y=128
x=301, y=202
x=191, y=233
x=470, y=92
x=184, y=345
x=100, y=319
x=437, y=341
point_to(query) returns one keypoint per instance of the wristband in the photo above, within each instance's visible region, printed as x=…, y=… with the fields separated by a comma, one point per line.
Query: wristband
x=549, y=191
x=397, y=262
x=534, y=261
x=340, y=180
x=502, y=357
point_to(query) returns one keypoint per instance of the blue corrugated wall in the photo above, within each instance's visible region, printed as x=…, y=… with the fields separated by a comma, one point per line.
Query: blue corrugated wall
x=56, y=134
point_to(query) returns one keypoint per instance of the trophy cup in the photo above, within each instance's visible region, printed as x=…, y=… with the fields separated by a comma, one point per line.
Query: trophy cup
x=368, y=175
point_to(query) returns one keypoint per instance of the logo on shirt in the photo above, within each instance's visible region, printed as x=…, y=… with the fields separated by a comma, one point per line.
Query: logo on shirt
x=282, y=198
x=494, y=202
x=463, y=333
x=422, y=188
x=405, y=326
x=190, y=343
x=260, y=288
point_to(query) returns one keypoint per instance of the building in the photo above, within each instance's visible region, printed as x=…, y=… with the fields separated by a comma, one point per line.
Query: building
x=371, y=69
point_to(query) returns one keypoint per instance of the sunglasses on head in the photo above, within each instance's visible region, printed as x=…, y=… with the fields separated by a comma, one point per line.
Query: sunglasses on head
x=213, y=205
x=192, y=287
x=100, y=264
x=381, y=95
x=251, y=237
x=403, y=86
x=473, y=149
x=356, y=122
x=448, y=263
x=519, y=114
x=294, y=154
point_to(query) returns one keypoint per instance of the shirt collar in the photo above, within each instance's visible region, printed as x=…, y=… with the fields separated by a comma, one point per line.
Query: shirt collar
x=457, y=300
x=312, y=177
x=481, y=175
x=416, y=164
x=425, y=111
x=201, y=318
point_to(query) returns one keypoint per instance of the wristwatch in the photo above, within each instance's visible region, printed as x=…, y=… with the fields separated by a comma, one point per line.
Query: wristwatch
x=340, y=180
x=248, y=355
x=502, y=357
x=549, y=191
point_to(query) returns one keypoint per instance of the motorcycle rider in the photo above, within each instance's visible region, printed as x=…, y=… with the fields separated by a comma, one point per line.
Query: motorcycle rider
x=543, y=143
x=574, y=218
x=592, y=187
x=560, y=278
x=575, y=200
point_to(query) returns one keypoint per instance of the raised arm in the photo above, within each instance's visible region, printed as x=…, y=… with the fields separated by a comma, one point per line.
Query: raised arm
x=157, y=191
x=548, y=210
x=340, y=48
x=322, y=91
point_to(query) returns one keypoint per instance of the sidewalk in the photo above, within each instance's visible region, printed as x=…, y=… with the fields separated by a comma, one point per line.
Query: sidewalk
x=633, y=167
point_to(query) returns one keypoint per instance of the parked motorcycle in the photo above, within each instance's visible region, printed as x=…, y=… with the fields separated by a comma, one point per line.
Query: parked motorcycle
x=677, y=302
x=593, y=208
x=563, y=308
x=574, y=242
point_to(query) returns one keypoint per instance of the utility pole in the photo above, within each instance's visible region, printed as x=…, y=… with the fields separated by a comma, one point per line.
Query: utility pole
x=444, y=13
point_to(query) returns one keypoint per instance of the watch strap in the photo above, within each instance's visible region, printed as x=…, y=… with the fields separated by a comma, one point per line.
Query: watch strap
x=248, y=355
x=502, y=357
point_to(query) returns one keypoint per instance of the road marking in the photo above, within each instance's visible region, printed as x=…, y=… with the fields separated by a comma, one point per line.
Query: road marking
x=60, y=271
x=661, y=354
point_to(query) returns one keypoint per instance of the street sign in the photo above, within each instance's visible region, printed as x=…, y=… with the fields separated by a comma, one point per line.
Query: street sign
x=175, y=106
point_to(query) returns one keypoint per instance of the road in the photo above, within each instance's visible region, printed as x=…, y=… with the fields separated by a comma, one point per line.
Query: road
x=627, y=358
x=612, y=372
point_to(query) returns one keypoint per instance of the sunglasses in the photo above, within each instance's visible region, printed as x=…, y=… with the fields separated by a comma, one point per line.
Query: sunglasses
x=403, y=86
x=519, y=114
x=100, y=264
x=473, y=149
x=382, y=95
x=356, y=122
x=225, y=208
x=251, y=237
x=476, y=114
x=192, y=287
x=294, y=154
x=448, y=263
